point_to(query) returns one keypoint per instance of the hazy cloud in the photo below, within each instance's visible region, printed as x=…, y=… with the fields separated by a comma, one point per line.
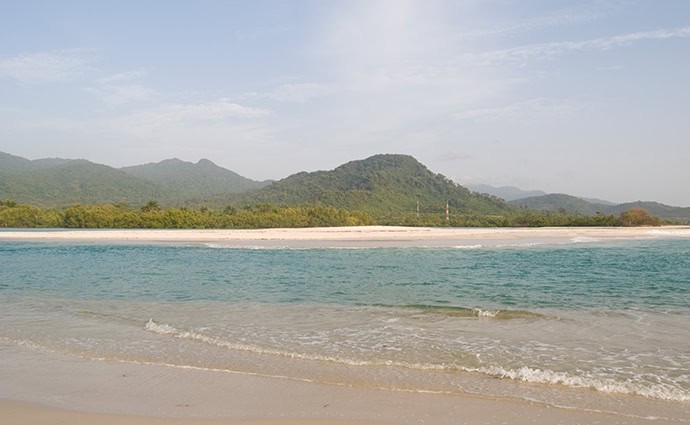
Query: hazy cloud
x=454, y=156
x=568, y=17
x=123, y=77
x=546, y=50
x=122, y=94
x=299, y=92
x=522, y=111
x=179, y=114
x=43, y=67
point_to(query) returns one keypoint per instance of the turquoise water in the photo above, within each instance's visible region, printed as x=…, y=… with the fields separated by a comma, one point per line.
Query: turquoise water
x=549, y=321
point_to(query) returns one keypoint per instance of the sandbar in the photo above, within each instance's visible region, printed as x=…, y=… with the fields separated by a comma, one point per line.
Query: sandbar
x=356, y=236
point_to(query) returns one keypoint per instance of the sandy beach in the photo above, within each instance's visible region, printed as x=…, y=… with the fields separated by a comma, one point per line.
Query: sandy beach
x=74, y=391
x=366, y=236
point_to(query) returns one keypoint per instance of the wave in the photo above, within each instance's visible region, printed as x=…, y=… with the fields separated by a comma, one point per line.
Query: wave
x=659, y=391
x=652, y=390
x=165, y=329
x=248, y=247
x=584, y=239
x=456, y=311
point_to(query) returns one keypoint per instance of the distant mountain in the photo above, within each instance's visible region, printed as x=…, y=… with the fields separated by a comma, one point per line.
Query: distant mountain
x=13, y=164
x=194, y=180
x=381, y=184
x=598, y=201
x=60, y=182
x=561, y=202
x=655, y=209
x=77, y=181
x=509, y=193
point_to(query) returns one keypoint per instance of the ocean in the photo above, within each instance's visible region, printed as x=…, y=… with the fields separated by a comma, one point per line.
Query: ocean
x=584, y=324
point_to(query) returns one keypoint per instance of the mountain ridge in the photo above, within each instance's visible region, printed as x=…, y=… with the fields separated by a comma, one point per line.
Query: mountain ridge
x=194, y=179
x=555, y=202
x=384, y=184
x=380, y=184
x=59, y=182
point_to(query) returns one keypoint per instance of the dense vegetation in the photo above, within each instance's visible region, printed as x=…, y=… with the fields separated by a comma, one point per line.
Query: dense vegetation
x=55, y=182
x=77, y=181
x=190, y=180
x=556, y=202
x=385, y=189
x=382, y=185
x=152, y=216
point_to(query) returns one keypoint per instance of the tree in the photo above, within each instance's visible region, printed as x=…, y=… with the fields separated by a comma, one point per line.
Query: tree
x=638, y=217
x=151, y=206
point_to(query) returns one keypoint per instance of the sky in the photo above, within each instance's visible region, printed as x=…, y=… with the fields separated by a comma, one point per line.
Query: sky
x=589, y=98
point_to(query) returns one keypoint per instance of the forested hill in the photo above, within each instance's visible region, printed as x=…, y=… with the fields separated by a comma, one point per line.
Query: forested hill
x=380, y=185
x=194, y=180
x=556, y=202
x=63, y=183
x=57, y=182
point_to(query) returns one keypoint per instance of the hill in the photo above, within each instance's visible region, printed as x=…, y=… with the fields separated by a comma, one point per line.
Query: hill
x=508, y=193
x=77, y=181
x=656, y=209
x=560, y=202
x=10, y=164
x=193, y=180
x=380, y=185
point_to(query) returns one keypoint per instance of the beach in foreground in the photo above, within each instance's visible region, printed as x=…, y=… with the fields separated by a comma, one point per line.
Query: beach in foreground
x=336, y=326
x=68, y=391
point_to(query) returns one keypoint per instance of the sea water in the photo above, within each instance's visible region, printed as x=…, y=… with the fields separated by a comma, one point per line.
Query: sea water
x=585, y=324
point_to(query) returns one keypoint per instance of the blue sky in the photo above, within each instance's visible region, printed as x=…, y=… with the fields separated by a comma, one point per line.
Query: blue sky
x=590, y=98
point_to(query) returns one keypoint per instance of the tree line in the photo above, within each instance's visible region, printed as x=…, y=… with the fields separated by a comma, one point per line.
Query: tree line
x=152, y=216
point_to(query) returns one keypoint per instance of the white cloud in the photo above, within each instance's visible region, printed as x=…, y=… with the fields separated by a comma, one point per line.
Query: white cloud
x=122, y=94
x=299, y=92
x=123, y=77
x=522, y=111
x=532, y=24
x=546, y=50
x=42, y=67
x=207, y=113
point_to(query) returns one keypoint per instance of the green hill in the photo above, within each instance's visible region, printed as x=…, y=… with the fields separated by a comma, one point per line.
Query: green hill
x=556, y=202
x=10, y=164
x=194, y=180
x=656, y=209
x=380, y=185
x=78, y=181
x=561, y=202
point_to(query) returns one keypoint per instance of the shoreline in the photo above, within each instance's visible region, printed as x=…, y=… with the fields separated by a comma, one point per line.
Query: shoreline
x=356, y=236
x=80, y=391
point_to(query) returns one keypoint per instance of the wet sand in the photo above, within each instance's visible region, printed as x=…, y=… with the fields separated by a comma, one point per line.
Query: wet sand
x=51, y=388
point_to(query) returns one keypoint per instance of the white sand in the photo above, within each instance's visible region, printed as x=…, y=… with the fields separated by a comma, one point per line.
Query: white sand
x=351, y=236
x=36, y=386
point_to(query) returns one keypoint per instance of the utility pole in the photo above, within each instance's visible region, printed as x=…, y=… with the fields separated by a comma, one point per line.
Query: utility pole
x=447, y=212
x=417, y=209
